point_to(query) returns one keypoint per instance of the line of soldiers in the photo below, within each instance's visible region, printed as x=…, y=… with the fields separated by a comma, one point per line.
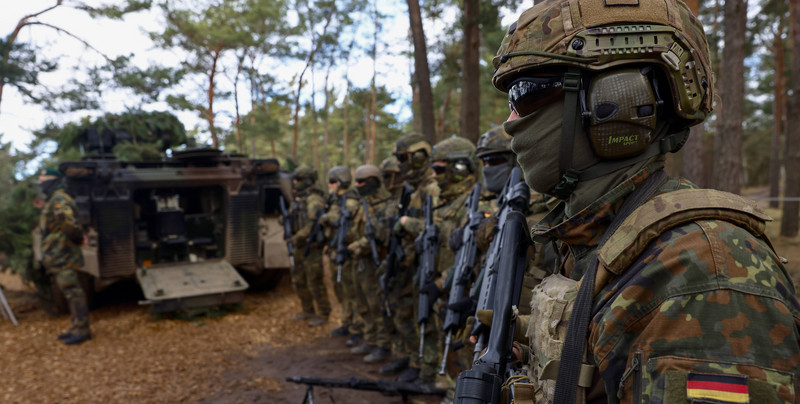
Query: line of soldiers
x=658, y=291
x=372, y=232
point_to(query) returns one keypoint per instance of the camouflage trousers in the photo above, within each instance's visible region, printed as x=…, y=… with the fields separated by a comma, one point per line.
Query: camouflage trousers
x=308, y=281
x=347, y=294
x=67, y=281
x=377, y=327
x=401, y=301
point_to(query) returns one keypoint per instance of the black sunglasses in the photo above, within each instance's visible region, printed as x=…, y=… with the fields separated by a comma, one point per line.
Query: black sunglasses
x=528, y=94
x=402, y=157
x=439, y=169
x=332, y=182
x=494, y=160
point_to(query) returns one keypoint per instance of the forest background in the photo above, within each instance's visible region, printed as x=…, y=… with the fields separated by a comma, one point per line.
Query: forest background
x=330, y=82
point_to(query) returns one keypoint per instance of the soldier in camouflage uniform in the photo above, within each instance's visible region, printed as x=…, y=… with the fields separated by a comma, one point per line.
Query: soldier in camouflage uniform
x=401, y=296
x=62, y=237
x=455, y=171
x=308, y=274
x=413, y=154
x=377, y=327
x=665, y=293
x=339, y=181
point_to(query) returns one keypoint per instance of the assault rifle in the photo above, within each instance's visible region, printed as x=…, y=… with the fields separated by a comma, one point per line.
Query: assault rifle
x=515, y=196
x=430, y=248
x=315, y=236
x=342, y=227
x=385, y=387
x=369, y=231
x=287, y=230
x=395, y=254
x=482, y=383
x=458, y=304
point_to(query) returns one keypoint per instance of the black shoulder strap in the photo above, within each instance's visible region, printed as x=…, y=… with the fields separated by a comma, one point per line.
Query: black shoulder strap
x=575, y=341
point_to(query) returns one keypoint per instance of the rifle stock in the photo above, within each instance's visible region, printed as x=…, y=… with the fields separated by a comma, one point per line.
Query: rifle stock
x=515, y=195
x=342, y=227
x=482, y=383
x=462, y=271
x=430, y=242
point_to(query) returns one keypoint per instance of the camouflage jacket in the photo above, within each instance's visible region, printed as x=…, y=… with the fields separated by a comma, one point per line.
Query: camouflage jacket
x=705, y=296
x=331, y=217
x=380, y=212
x=62, y=236
x=448, y=215
x=303, y=211
x=427, y=186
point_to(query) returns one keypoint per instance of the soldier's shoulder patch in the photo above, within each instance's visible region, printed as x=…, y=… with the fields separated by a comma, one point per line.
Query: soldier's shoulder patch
x=718, y=388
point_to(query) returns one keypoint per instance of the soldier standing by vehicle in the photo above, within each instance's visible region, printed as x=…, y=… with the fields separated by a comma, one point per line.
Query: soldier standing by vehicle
x=339, y=181
x=377, y=327
x=455, y=171
x=62, y=237
x=665, y=292
x=307, y=278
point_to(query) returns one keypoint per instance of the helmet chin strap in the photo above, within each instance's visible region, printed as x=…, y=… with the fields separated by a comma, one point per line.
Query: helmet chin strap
x=569, y=129
x=574, y=114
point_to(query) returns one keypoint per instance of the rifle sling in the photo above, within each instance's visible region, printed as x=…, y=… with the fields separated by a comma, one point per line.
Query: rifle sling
x=569, y=370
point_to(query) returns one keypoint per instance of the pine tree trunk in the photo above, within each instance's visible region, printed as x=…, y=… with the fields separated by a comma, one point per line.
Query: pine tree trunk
x=791, y=208
x=325, y=132
x=209, y=113
x=469, y=121
x=775, y=150
x=345, y=143
x=422, y=72
x=727, y=168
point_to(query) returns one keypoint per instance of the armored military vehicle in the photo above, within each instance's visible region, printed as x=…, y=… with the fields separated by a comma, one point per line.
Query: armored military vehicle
x=195, y=229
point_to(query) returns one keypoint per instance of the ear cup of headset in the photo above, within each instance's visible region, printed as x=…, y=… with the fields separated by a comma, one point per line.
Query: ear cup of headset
x=623, y=113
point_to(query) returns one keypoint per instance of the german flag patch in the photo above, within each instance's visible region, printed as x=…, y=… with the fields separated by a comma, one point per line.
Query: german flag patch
x=719, y=387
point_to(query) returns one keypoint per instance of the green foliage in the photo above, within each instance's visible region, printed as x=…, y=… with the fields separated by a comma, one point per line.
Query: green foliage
x=17, y=214
x=22, y=66
x=151, y=132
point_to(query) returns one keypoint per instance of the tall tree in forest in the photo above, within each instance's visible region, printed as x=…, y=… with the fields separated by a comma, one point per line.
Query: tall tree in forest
x=314, y=13
x=791, y=206
x=727, y=165
x=469, y=121
x=422, y=74
x=779, y=97
x=205, y=33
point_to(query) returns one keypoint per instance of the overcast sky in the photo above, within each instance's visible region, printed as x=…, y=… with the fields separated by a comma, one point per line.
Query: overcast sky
x=115, y=38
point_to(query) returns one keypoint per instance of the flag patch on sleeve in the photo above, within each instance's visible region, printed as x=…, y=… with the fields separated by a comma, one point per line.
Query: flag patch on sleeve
x=724, y=388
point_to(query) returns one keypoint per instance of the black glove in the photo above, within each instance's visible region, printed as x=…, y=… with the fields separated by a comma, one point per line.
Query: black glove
x=432, y=291
x=456, y=238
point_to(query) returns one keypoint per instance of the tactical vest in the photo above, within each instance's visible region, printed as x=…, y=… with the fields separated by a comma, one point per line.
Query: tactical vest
x=553, y=300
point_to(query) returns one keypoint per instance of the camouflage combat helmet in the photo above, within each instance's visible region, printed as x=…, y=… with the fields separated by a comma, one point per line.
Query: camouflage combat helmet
x=453, y=149
x=305, y=176
x=341, y=174
x=390, y=165
x=599, y=34
x=392, y=174
x=611, y=60
x=366, y=171
x=495, y=140
x=411, y=143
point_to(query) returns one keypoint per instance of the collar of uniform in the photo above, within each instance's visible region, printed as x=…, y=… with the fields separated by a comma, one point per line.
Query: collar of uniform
x=587, y=226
